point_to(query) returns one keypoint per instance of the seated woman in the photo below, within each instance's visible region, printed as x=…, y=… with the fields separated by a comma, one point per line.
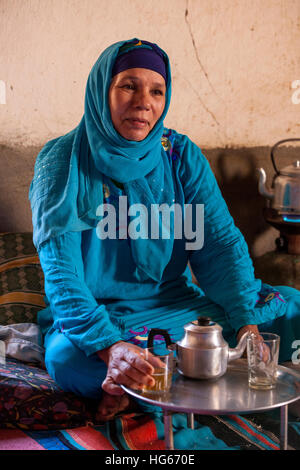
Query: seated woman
x=108, y=278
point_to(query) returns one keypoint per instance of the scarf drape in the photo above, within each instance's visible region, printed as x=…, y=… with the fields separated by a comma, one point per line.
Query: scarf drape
x=67, y=186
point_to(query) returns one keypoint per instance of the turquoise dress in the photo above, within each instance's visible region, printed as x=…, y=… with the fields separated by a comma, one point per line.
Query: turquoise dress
x=94, y=297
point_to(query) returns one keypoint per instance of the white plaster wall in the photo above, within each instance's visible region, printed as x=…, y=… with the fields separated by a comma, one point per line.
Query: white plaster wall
x=233, y=62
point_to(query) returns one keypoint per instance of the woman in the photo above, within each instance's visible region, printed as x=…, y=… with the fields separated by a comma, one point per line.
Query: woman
x=103, y=292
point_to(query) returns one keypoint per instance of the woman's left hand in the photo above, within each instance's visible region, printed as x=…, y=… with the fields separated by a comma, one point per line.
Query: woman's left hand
x=253, y=329
x=247, y=328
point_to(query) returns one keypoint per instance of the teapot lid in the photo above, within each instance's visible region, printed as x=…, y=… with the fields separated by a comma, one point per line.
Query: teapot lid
x=291, y=170
x=202, y=325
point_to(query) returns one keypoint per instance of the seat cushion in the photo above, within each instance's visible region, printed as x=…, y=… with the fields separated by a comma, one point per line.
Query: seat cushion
x=21, y=279
x=30, y=399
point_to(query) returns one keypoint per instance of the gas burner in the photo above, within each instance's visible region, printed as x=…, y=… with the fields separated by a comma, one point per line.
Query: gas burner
x=289, y=240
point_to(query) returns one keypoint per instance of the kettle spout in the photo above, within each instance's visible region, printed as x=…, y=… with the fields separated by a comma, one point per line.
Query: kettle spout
x=262, y=185
x=237, y=352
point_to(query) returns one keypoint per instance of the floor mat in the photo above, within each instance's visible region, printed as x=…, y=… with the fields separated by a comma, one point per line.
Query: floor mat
x=146, y=432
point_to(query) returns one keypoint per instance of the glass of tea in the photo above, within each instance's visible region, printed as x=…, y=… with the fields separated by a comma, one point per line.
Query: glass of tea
x=163, y=370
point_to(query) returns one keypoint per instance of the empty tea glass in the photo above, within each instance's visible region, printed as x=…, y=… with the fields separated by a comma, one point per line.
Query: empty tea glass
x=262, y=354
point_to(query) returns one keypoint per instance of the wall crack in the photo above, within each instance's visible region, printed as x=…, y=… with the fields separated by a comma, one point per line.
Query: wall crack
x=200, y=63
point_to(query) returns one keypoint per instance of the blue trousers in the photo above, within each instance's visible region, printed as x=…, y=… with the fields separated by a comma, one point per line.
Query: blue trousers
x=73, y=371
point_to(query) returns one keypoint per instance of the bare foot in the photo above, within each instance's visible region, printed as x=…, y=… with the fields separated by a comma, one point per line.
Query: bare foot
x=110, y=405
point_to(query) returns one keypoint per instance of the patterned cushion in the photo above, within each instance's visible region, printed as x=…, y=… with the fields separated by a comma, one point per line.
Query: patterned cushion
x=21, y=279
x=30, y=399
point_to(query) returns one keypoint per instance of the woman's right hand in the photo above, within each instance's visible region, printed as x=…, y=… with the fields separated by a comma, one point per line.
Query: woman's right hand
x=127, y=366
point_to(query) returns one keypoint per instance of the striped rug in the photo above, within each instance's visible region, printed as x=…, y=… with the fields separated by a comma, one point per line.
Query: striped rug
x=146, y=432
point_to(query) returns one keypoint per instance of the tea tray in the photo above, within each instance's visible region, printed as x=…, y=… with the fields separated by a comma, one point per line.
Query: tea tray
x=229, y=394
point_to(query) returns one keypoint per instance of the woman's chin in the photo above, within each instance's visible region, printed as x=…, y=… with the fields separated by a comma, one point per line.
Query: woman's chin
x=134, y=134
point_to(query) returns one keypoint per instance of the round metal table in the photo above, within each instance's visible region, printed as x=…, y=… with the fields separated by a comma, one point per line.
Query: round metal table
x=229, y=394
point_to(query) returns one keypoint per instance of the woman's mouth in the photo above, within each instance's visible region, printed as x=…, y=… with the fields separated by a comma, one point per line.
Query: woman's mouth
x=138, y=123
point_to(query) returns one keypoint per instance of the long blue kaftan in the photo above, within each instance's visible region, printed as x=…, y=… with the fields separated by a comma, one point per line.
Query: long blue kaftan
x=95, y=299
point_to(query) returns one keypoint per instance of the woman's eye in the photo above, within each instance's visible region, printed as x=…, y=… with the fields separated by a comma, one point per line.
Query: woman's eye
x=158, y=92
x=128, y=86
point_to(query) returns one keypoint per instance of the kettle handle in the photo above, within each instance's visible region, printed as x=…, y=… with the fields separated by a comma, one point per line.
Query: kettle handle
x=157, y=331
x=273, y=148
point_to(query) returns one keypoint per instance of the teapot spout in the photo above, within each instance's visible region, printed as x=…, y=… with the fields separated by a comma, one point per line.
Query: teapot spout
x=237, y=352
x=262, y=185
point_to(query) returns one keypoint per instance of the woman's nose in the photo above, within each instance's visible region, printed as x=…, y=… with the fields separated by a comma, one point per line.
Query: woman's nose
x=142, y=100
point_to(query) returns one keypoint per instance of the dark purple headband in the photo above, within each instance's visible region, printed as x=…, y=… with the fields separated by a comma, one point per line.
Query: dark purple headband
x=140, y=57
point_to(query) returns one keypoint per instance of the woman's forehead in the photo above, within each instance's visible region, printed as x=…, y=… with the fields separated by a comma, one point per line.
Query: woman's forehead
x=141, y=74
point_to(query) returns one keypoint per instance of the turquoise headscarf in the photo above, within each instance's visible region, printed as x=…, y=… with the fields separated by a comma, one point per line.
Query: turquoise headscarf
x=67, y=186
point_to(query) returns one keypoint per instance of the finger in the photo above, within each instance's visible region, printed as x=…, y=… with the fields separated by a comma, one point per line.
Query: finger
x=155, y=361
x=266, y=353
x=120, y=377
x=135, y=375
x=147, y=358
x=264, y=350
x=138, y=361
x=111, y=387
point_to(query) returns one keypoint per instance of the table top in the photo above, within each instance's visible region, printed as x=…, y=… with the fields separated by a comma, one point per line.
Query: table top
x=228, y=394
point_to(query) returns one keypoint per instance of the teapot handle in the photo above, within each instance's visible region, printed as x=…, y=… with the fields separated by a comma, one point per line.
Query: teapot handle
x=273, y=148
x=157, y=331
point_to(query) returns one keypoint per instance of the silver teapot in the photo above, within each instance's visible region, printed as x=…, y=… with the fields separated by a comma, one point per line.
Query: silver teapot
x=285, y=194
x=202, y=353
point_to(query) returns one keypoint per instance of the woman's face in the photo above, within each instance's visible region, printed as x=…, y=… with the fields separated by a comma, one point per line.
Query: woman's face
x=136, y=101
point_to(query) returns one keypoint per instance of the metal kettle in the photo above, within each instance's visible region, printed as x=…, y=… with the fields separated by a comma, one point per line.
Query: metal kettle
x=202, y=353
x=285, y=192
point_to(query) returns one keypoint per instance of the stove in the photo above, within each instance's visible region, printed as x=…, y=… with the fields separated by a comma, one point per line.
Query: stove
x=289, y=228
